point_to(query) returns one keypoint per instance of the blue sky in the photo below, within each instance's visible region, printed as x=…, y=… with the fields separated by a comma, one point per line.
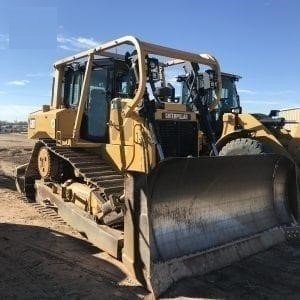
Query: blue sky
x=257, y=39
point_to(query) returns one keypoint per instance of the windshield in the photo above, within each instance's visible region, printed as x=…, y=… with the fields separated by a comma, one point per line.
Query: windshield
x=229, y=97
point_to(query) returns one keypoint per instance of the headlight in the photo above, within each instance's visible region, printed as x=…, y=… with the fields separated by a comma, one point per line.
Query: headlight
x=236, y=110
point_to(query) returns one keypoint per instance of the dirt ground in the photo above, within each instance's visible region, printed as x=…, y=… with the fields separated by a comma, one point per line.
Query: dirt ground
x=42, y=257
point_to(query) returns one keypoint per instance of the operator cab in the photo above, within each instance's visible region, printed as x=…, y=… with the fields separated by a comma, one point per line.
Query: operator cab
x=229, y=98
x=109, y=79
x=119, y=78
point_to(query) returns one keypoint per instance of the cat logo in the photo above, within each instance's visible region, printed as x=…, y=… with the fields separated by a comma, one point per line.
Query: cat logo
x=175, y=116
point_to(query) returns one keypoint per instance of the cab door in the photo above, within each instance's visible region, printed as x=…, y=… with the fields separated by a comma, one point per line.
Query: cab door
x=94, y=122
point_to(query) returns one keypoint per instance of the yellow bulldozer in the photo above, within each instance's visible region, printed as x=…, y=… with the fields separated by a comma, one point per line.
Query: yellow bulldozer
x=121, y=156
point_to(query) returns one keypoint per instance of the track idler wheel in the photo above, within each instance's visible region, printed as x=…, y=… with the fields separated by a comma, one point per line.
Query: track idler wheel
x=47, y=165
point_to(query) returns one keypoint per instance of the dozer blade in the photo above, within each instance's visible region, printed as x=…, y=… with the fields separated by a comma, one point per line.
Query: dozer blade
x=194, y=215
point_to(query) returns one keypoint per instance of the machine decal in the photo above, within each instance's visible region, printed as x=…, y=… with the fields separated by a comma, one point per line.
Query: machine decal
x=175, y=116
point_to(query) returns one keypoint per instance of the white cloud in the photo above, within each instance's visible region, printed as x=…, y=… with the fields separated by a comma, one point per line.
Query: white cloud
x=269, y=93
x=37, y=75
x=65, y=47
x=277, y=93
x=261, y=102
x=244, y=91
x=4, y=37
x=4, y=41
x=75, y=43
x=16, y=112
x=18, y=82
x=87, y=41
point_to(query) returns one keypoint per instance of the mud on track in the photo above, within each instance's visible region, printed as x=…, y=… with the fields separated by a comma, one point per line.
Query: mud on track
x=42, y=257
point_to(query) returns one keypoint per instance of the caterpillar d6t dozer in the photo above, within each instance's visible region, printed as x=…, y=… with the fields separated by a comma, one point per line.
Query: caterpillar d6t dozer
x=117, y=153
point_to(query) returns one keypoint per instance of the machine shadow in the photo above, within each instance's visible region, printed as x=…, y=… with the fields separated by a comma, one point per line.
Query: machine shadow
x=7, y=182
x=38, y=262
x=272, y=274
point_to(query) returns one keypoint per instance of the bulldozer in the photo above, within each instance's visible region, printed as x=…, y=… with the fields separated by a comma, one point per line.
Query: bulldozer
x=119, y=155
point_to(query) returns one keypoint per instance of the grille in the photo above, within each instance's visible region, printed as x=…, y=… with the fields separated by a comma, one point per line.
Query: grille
x=178, y=138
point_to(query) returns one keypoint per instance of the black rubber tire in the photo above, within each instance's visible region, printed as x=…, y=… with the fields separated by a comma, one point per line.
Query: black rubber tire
x=243, y=146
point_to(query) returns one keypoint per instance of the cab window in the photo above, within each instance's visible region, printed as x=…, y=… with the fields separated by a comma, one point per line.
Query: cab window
x=96, y=112
x=72, y=88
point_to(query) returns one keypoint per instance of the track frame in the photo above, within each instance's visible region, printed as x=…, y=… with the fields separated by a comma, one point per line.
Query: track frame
x=106, y=238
